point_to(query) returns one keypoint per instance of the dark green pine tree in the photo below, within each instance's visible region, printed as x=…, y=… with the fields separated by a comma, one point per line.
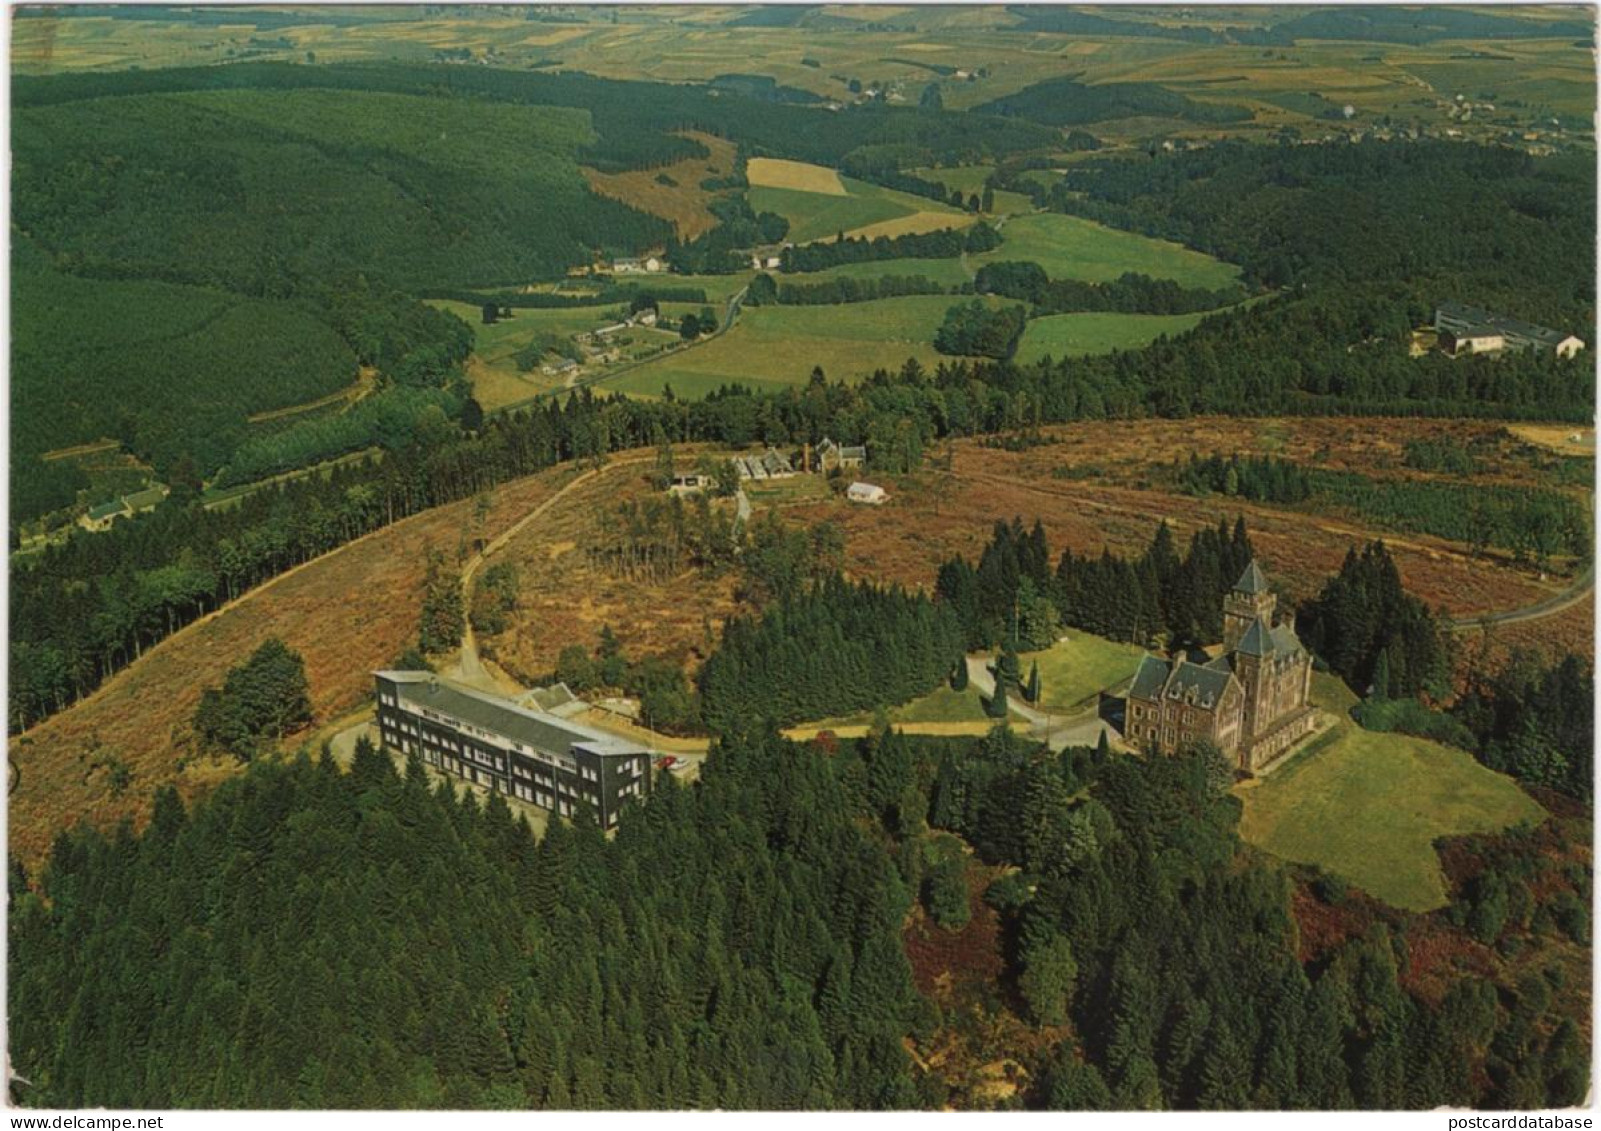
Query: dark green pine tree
x=1032, y=691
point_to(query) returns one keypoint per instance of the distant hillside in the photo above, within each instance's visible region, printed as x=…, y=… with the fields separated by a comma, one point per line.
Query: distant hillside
x=1068, y=102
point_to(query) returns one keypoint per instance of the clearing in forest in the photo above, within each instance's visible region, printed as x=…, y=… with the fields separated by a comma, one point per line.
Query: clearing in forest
x=1369, y=806
x=773, y=172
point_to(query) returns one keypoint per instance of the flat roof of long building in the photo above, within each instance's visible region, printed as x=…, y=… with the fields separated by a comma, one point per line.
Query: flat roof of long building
x=538, y=729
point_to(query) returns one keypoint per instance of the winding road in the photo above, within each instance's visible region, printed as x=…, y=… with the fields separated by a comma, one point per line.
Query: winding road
x=1082, y=729
x=1581, y=588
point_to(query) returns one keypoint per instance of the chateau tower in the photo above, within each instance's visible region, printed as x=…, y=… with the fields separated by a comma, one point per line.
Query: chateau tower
x=1250, y=601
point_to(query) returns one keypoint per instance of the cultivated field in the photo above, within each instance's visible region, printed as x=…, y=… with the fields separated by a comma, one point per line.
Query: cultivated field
x=913, y=49
x=860, y=209
x=776, y=173
x=949, y=272
x=1071, y=248
x=1369, y=806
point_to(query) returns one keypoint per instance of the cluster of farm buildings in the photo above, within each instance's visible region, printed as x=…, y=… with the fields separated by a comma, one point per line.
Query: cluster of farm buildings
x=1467, y=330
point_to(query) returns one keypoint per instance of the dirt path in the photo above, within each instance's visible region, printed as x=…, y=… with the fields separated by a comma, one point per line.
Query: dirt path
x=366, y=381
x=468, y=667
x=82, y=450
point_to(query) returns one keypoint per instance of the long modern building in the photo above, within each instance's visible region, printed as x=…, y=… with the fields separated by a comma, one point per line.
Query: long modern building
x=544, y=759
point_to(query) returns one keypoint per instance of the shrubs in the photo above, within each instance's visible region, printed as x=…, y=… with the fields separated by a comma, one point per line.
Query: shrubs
x=1408, y=716
x=261, y=700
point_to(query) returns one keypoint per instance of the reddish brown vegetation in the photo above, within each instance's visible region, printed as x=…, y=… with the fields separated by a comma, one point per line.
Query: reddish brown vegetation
x=347, y=613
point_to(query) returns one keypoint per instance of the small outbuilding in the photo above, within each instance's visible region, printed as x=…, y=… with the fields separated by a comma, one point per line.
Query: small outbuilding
x=868, y=493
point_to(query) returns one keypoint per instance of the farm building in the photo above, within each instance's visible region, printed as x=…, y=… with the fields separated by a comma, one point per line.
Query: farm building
x=1251, y=701
x=688, y=484
x=1468, y=329
x=869, y=493
x=100, y=518
x=648, y=265
x=537, y=755
x=833, y=457
x=771, y=464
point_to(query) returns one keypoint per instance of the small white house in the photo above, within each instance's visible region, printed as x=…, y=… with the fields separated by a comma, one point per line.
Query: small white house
x=869, y=493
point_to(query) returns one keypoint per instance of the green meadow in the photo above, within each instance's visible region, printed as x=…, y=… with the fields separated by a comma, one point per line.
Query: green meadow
x=773, y=346
x=1074, y=335
x=1073, y=670
x=1369, y=806
x=1071, y=248
x=817, y=215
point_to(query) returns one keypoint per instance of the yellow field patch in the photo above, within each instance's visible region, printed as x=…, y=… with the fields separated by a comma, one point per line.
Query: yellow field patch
x=915, y=224
x=1569, y=439
x=772, y=172
x=683, y=201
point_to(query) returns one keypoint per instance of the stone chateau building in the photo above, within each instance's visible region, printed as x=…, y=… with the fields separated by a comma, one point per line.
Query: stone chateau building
x=1251, y=700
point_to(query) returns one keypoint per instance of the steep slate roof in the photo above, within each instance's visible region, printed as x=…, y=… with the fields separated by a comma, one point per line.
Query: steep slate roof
x=532, y=728
x=1149, y=678
x=1285, y=640
x=1209, y=683
x=1258, y=639
x=1252, y=580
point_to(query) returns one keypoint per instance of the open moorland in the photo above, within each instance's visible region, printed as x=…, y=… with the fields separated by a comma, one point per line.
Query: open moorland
x=348, y=613
x=353, y=610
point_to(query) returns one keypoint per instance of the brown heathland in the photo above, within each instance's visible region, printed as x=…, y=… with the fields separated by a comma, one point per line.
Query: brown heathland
x=347, y=613
x=683, y=201
x=355, y=609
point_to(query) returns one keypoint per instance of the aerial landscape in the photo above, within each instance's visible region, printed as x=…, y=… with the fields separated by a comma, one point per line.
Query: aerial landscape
x=872, y=557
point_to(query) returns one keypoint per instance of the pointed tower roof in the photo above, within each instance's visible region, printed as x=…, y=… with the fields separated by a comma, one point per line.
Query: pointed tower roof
x=1258, y=639
x=1251, y=581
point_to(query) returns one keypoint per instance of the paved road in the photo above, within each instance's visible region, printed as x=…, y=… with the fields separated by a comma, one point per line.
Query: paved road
x=1550, y=606
x=1058, y=732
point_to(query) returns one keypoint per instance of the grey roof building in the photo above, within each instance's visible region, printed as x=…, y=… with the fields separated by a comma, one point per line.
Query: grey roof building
x=1470, y=329
x=522, y=751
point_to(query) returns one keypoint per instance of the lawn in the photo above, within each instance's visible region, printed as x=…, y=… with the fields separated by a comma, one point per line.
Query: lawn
x=1369, y=806
x=774, y=346
x=1071, y=248
x=1073, y=670
x=1073, y=335
x=941, y=711
x=815, y=215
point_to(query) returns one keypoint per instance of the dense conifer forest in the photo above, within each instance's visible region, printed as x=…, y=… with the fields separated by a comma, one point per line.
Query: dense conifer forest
x=1162, y=597
x=737, y=945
